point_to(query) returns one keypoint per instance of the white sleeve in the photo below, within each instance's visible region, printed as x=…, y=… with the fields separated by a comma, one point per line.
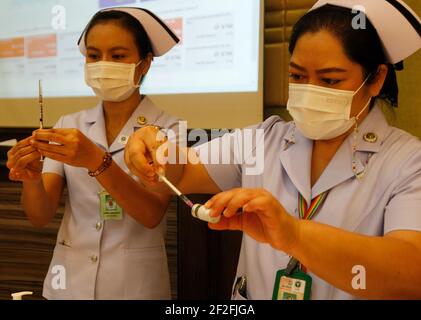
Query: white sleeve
x=403, y=211
x=220, y=160
x=232, y=157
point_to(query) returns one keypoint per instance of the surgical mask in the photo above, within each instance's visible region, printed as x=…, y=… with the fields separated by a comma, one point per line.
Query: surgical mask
x=322, y=113
x=111, y=81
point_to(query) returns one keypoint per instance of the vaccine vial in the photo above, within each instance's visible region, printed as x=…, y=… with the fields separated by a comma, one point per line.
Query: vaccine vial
x=201, y=212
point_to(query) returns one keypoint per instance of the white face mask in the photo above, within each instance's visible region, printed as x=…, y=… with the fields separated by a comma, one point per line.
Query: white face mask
x=322, y=113
x=111, y=81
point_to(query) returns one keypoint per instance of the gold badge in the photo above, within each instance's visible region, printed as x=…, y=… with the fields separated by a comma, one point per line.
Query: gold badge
x=142, y=120
x=370, y=137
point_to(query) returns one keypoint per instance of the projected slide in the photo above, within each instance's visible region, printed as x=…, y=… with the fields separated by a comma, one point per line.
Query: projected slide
x=218, y=52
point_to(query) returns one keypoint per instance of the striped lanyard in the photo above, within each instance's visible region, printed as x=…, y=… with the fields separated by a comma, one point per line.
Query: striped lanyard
x=306, y=213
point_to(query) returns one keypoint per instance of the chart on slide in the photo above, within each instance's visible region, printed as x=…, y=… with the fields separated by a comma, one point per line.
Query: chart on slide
x=218, y=49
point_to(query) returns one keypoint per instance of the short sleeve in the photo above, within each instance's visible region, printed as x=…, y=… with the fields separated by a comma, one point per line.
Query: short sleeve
x=235, y=155
x=53, y=166
x=172, y=127
x=175, y=132
x=219, y=158
x=403, y=211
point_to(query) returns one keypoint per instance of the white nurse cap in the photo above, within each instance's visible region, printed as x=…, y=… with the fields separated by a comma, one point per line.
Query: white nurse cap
x=398, y=27
x=162, y=38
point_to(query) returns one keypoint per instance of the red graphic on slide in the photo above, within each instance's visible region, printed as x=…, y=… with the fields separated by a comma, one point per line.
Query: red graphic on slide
x=176, y=25
x=42, y=46
x=12, y=48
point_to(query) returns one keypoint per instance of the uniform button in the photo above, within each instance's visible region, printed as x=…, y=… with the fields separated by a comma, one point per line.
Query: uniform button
x=123, y=140
x=142, y=120
x=94, y=258
x=98, y=226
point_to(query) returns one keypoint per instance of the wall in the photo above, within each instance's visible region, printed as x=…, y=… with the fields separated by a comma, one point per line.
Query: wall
x=408, y=115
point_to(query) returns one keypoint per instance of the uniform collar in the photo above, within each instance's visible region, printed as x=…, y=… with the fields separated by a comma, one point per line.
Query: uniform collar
x=146, y=113
x=295, y=157
x=296, y=152
x=375, y=123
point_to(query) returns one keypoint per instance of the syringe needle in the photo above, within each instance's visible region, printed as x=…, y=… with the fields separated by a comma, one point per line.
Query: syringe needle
x=186, y=200
x=41, y=109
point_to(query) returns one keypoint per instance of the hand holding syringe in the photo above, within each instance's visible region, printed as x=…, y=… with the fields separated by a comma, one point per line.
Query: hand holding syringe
x=147, y=161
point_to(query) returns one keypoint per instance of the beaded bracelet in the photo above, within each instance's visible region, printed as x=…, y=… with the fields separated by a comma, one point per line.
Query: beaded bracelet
x=107, y=160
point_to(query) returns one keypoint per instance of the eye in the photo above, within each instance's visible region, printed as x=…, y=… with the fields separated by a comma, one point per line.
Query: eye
x=93, y=56
x=118, y=56
x=331, y=82
x=296, y=77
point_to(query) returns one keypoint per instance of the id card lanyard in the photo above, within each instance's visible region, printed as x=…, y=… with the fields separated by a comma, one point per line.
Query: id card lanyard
x=306, y=213
x=292, y=283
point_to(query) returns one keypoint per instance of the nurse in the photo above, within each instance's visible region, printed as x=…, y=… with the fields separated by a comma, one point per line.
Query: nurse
x=111, y=241
x=336, y=211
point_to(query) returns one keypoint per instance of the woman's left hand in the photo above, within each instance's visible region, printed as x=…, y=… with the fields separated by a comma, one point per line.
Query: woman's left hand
x=69, y=146
x=263, y=218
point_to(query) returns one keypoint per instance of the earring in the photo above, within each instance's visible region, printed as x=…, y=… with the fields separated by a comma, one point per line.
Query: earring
x=354, y=150
x=360, y=175
x=292, y=141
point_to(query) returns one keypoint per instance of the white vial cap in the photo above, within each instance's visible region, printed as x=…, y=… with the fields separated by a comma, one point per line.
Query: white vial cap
x=201, y=212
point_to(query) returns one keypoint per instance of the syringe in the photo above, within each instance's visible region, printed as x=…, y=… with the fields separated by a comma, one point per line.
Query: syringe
x=41, y=109
x=197, y=210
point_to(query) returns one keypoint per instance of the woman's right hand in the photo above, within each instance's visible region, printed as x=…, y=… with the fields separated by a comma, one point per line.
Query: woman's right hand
x=24, y=162
x=144, y=154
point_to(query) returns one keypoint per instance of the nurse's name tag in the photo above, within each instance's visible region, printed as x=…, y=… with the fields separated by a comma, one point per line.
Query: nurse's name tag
x=109, y=209
x=296, y=286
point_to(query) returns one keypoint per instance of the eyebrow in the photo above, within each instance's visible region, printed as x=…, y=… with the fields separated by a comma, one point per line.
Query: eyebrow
x=320, y=71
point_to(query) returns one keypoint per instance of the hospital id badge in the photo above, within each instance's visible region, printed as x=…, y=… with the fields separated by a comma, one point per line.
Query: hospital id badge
x=296, y=286
x=109, y=209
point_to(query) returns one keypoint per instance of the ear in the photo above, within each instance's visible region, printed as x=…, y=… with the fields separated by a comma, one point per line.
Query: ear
x=144, y=67
x=146, y=64
x=376, y=84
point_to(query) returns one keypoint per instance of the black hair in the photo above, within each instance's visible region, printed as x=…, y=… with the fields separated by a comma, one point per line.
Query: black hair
x=128, y=22
x=361, y=45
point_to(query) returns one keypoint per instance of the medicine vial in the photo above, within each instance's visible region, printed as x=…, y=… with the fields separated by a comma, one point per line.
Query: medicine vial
x=201, y=212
